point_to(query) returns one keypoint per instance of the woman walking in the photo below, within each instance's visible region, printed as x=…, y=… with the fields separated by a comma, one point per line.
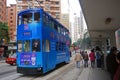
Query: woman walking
x=92, y=58
x=78, y=58
x=85, y=59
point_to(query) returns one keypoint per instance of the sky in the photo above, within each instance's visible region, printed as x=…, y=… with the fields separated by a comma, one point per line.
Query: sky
x=70, y=5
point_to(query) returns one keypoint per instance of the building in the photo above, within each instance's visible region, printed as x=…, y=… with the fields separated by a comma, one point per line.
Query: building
x=53, y=7
x=11, y=20
x=81, y=26
x=2, y=10
x=65, y=20
x=78, y=28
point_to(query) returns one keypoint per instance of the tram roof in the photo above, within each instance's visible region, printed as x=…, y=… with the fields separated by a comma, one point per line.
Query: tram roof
x=31, y=9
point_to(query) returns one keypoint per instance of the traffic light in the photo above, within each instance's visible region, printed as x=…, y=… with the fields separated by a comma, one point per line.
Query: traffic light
x=108, y=44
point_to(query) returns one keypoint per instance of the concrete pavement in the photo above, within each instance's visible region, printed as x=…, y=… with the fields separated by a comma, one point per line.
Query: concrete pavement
x=94, y=74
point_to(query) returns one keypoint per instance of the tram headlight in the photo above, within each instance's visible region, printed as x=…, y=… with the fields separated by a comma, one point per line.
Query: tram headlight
x=39, y=69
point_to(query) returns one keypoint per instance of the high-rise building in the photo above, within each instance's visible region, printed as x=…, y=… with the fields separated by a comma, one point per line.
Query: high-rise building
x=53, y=7
x=2, y=10
x=81, y=26
x=65, y=20
x=11, y=20
x=78, y=28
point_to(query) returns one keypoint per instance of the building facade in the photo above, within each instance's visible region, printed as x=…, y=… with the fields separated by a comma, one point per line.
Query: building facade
x=53, y=7
x=65, y=20
x=11, y=20
x=2, y=10
x=78, y=28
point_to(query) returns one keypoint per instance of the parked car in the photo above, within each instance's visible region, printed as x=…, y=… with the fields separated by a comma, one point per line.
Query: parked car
x=11, y=59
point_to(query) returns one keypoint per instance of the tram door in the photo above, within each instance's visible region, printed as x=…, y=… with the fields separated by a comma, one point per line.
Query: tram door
x=46, y=50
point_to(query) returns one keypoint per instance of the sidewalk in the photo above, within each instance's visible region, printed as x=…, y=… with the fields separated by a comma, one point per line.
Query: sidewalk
x=94, y=74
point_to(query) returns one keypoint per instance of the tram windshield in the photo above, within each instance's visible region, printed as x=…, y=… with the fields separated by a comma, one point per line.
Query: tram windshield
x=27, y=18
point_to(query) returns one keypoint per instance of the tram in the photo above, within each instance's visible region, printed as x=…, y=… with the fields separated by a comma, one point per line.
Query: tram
x=42, y=42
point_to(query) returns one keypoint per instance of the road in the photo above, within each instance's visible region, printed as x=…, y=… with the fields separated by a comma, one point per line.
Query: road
x=64, y=72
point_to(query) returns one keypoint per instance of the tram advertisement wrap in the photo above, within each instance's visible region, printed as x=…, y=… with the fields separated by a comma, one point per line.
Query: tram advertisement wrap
x=28, y=59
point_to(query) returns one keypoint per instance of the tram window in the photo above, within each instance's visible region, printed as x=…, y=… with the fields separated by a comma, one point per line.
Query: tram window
x=19, y=20
x=52, y=24
x=19, y=46
x=62, y=31
x=35, y=45
x=47, y=20
x=37, y=16
x=63, y=46
x=56, y=27
x=27, y=18
x=27, y=46
x=57, y=46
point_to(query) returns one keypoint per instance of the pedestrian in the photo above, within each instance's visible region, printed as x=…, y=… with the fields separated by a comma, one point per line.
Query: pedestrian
x=78, y=58
x=111, y=61
x=92, y=58
x=82, y=54
x=98, y=55
x=117, y=74
x=86, y=58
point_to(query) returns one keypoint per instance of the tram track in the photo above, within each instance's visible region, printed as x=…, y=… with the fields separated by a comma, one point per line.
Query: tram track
x=3, y=73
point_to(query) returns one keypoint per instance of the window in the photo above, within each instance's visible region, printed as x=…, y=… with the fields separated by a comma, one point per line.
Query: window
x=47, y=20
x=11, y=9
x=52, y=24
x=11, y=21
x=63, y=46
x=19, y=20
x=37, y=16
x=35, y=45
x=57, y=3
x=19, y=46
x=57, y=46
x=11, y=13
x=27, y=46
x=27, y=18
x=56, y=27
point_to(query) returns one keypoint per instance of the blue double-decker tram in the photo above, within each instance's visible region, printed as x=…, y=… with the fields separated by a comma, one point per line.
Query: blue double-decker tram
x=42, y=42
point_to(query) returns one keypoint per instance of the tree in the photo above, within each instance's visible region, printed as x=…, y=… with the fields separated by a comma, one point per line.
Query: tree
x=85, y=42
x=75, y=44
x=4, y=32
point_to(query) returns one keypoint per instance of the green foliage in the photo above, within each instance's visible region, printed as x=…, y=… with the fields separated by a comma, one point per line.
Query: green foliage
x=4, y=32
x=75, y=43
x=85, y=42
